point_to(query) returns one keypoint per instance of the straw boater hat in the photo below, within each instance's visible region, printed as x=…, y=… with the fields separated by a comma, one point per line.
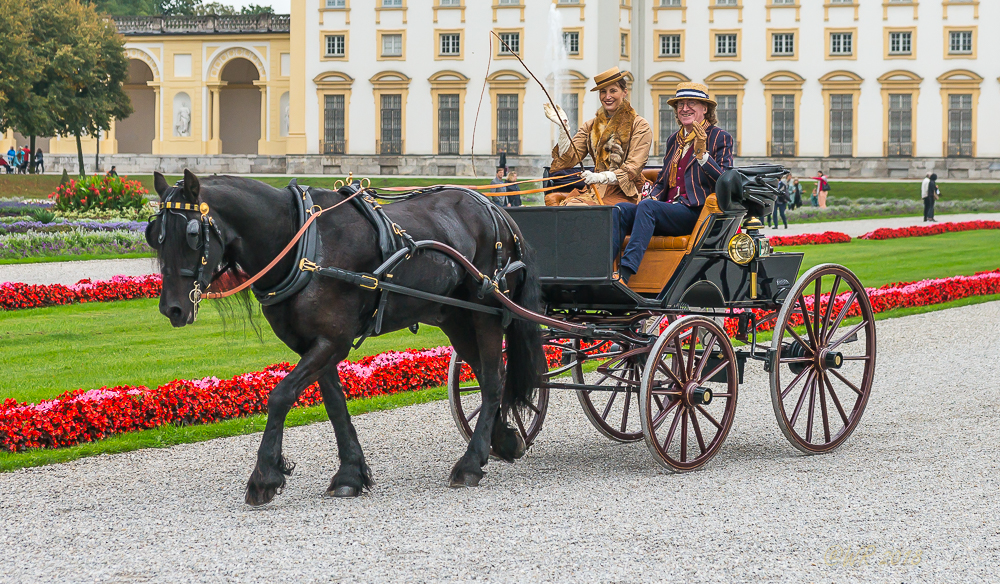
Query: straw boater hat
x=608, y=78
x=691, y=90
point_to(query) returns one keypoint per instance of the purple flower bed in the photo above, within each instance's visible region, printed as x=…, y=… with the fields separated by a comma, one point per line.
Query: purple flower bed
x=15, y=208
x=25, y=226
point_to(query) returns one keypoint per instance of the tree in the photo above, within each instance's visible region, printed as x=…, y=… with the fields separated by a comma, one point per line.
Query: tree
x=217, y=8
x=125, y=7
x=177, y=7
x=256, y=9
x=18, y=66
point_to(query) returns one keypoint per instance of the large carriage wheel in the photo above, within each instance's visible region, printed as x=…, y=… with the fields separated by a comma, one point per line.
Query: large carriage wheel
x=688, y=393
x=824, y=359
x=466, y=402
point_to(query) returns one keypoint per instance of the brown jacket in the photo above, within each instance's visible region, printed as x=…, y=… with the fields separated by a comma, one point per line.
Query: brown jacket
x=633, y=158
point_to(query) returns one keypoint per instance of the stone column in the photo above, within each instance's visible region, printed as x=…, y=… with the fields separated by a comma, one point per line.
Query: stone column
x=262, y=141
x=214, y=142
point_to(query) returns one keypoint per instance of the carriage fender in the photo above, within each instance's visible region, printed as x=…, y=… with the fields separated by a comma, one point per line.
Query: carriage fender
x=704, y=294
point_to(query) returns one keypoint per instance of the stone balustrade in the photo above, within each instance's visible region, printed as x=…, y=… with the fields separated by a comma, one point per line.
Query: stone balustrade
x=212, y=24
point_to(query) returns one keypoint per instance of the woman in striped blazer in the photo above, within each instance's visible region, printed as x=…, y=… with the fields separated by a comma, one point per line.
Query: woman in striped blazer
x=697, y=154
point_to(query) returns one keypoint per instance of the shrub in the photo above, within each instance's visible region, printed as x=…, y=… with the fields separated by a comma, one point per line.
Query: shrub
x=98, y=193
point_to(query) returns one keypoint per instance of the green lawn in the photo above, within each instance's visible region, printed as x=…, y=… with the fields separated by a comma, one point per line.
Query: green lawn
x=987, y=191
x=47, y=351
x=77, y=258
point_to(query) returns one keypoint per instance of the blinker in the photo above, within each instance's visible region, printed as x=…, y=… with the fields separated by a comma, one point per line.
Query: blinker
x=193, y=234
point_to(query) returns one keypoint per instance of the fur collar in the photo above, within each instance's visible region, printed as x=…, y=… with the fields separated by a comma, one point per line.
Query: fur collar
x=609, y=138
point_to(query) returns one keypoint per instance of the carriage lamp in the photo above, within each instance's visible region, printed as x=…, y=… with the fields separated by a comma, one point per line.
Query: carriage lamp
x=742, y=249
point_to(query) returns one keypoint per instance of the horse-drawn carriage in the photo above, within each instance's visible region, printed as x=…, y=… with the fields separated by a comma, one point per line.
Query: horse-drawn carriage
x=653, y=359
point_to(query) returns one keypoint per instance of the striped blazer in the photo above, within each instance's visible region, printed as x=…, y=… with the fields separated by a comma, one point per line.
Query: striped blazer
x=699, y=179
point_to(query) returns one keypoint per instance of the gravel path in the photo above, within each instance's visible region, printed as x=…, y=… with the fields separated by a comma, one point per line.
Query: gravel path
x=73, y=272
x=862, y=226
x=920, y=474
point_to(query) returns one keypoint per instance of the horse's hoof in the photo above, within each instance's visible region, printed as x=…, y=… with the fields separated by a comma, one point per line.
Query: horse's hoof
x=343, y=491
x=466, y=480
x=260, y=498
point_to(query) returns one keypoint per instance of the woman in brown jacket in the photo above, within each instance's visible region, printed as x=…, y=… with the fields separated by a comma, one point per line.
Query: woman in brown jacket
x=617, y=139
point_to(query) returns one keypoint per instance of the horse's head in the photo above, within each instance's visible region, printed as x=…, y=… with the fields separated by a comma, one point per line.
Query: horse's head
x=188, y=244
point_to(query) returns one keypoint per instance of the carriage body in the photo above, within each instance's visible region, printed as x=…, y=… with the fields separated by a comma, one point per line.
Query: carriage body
x=661, y=345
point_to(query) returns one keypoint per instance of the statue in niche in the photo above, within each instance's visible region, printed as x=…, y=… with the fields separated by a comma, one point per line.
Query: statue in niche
x=284, y=118
x=182, y=127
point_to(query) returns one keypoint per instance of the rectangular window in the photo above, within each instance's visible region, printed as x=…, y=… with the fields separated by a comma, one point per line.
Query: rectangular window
x=450, y=3
x=448, y=124
x=670, y=45
x=512, y=40
x=960, y=125
x=623, y=51
x=336, y=45
x=960, y=42
x=336, y=4
x=783, y=1
x=841, y=124
x=670, y=3
x=392, y=124
x=392, y=3
x=782, y=125
x=841, y=43
x=571, y=105
x=900, y=125
x=783, y=44
x=725, y=45
x=727, y=114
x=571, y=42
x=510, y=2
x=507, y=140
x=451, y=44
x=333, y=124
x=392, y=45
x=725, y=3
x=668, y=124
x=900, y=43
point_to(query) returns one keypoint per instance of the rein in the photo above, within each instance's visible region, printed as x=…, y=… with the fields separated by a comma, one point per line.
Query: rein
x=282, y=254
x=490, y=187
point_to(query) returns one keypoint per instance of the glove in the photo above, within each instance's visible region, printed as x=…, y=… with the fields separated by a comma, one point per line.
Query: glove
x=556, y=115
x=699, y=141
x=599, y=178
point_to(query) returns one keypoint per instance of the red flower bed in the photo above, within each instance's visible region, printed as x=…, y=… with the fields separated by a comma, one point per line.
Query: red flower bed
x=899, y=295
x=85, y=416
x=932, y=229
x=14, y=295
x=810, y=238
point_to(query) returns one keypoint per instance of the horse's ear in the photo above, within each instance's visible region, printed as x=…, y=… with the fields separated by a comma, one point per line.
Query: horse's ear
x=160, y=184
x=191, y=185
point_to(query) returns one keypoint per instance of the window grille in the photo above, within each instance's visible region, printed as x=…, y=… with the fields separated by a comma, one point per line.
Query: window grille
x=333, y=125
x=507, y=135
x=392, y=124
x=841, y=124
x=448, y=124
x=900, y=125
x=960, y=125
x=782, y=125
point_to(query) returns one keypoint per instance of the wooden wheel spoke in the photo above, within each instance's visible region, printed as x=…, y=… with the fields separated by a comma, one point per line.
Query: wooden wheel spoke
x=713, y=372
x=797, y=360
x=829, y=306
x=679, y=355
x=808, y=324
x=836, y=402
x=684, y=434
x=607, y=408
x=848, y=334
x=659, y=403
x=520, y=425
x=801, y=341
x=816, y=297
x=709, y=416
x=469, y=389
x=841, y=315
x=628, y=401
x=663, y=367
x=693, y=347
x=822, y=406
x=795, y=381
x=534, y=408
x=474, y=413
x=812, y=402
x=706, y=351
x=697, y=431
x=802, y=399
x=846, y=382
x=673, y=428
x=663, y=413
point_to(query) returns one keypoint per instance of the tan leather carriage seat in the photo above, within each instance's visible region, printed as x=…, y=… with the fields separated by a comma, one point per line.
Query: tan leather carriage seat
x=665, y=253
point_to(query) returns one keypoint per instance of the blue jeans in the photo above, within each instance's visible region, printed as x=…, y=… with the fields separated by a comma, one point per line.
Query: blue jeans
x=650, y=217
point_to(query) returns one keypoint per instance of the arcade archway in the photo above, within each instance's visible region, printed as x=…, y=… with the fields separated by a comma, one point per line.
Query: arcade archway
x=136, y=133
x=239, y=107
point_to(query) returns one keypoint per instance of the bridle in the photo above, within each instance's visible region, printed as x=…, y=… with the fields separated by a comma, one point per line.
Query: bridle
x=197, y=234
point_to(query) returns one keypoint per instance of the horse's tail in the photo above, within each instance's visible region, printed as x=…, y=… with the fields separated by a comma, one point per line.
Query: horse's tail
x=525, y=356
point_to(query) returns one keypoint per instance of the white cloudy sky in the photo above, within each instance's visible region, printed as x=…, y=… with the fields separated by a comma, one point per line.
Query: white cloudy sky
x=280, y=6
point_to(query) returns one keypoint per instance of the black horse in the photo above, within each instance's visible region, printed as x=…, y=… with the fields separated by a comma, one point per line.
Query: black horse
x=251, y=223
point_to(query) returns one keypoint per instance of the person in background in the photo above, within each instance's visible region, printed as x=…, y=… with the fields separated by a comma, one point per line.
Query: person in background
x=928, y=204
x=513, y=200
x=796, y=191
x=3, y=165
x=21, y=161
x=11, y=155
x=781, y=203
x=500, y=201
x=824, y=188
x=39, y=161
x=112, y=172
x=932, y=195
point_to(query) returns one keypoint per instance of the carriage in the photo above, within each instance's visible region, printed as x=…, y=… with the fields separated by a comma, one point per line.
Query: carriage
x=653, y=360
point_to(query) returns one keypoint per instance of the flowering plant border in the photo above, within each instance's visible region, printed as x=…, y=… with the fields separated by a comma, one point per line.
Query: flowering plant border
x=884, y=233
x=810, y=238
x=17, y=296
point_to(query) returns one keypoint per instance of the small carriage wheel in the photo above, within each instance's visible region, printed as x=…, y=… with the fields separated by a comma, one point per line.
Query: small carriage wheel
x=821, y=377
x=615, y=413
x=688, y=394
x=465, y=403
